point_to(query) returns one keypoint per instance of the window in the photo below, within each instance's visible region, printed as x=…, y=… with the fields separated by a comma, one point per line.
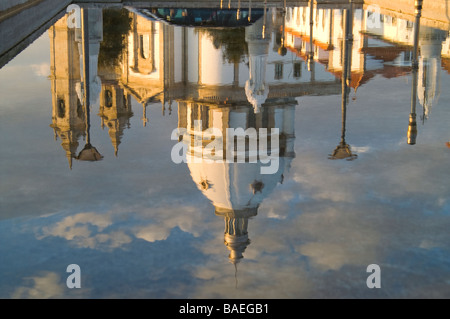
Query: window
x=61, y=106
x=145, y=45
x=278, y=71
x=408, y=56
x=125, y=101
x=108, y=98
x=297, y=69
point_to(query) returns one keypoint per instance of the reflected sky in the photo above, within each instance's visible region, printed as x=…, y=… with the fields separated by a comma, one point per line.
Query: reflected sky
x=141, y=226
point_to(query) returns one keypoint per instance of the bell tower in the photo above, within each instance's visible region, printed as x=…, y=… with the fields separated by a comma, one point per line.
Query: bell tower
x=68, y=118
x=115, y=112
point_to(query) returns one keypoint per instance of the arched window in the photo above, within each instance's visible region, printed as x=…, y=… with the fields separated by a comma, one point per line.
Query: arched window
x=125, y=101
x=297, y=69
x=288, y=14
x=108, y=98
x=278, y=71
x=145, y=45
x=61, y=106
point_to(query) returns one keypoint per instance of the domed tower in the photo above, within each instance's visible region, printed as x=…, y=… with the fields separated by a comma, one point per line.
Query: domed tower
x=236, y=189
x=115, y=112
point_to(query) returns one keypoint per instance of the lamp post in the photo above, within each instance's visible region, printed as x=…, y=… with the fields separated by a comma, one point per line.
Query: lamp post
x=343, y=149
x=282, y=49
x=238, y=13
x=311, y=42
x=265, y=20
x=88, y=153
x=412, y=126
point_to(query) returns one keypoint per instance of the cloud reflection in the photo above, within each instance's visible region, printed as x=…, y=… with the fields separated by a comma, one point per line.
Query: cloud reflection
x=47, y=285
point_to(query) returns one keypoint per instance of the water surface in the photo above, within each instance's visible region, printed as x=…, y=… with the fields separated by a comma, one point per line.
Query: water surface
x=99, y=187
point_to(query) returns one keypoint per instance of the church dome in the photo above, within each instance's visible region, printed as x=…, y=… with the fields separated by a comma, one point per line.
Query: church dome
x=234, y=187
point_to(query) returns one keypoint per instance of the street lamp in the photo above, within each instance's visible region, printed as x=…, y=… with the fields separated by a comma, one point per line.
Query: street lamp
x=310, y=59
x=343, y=151
x=412, y=126
x=282, y=49
x=89, y=152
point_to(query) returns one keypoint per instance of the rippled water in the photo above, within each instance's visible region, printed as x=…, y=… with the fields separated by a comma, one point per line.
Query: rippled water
x=349, y=184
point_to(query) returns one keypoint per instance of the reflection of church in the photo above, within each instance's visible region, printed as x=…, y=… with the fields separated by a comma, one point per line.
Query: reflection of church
x=237, y=189
x=163, y=63
x=255, y=87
